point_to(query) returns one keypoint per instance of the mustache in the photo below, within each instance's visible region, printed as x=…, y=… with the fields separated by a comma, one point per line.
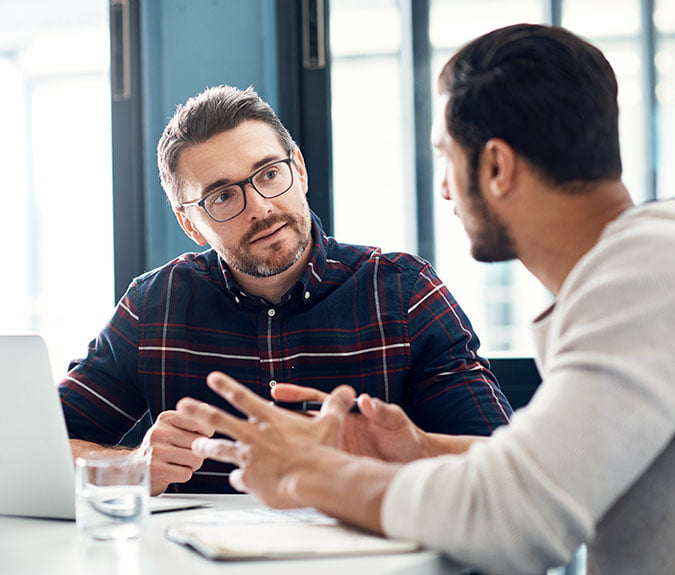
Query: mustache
x=267, y=223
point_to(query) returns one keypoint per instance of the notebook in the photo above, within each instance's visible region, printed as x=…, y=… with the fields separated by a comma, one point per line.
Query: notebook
x=234, y=535
x=37, y=477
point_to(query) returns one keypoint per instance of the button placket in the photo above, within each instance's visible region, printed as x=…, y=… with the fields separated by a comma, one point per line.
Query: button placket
x=270, y=348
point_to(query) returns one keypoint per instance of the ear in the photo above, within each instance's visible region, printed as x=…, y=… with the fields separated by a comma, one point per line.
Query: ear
x=189, y=228
x=498, y=165
x=300, y=168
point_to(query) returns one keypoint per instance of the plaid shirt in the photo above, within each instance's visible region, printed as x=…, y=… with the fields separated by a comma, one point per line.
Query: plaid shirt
x=383, y=323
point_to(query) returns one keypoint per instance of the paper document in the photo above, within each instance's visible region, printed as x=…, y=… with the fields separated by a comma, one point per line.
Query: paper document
x=273, y=534
x=259, y=515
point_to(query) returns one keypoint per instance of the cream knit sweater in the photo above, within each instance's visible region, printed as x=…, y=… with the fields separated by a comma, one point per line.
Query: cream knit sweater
x=591, y=458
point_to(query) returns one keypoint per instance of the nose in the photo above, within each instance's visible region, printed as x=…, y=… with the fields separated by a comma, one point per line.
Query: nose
x=445, y=188
x=257, y=206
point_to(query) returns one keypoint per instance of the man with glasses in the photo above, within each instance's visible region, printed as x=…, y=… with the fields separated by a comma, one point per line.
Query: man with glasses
x=273, y=300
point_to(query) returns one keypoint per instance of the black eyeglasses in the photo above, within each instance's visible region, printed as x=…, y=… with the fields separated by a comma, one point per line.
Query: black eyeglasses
x=226, y=203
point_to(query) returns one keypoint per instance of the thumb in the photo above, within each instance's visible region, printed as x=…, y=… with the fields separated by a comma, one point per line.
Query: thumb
x=386, y=415
x=339, y=402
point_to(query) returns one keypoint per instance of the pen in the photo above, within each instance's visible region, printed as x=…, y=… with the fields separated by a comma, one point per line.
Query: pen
x=309, y=405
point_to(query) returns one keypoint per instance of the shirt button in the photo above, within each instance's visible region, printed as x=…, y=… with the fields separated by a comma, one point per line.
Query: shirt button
x=236, y=299
x=273, y=382
x=271, y=312
x=306, y=295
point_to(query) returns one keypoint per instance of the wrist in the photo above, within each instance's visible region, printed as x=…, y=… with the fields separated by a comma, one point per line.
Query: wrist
x=426, y=445
x=303, y=480
x=343, y=485
x=440, y=444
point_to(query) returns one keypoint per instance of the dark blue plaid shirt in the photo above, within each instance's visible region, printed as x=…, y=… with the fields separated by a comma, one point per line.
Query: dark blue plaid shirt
x=383, y=323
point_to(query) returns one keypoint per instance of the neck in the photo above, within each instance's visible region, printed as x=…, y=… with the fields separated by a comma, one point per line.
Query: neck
x=274, y=287
x=566, y=227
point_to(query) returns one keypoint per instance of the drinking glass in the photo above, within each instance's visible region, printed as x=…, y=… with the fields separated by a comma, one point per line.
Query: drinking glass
x=112, y=497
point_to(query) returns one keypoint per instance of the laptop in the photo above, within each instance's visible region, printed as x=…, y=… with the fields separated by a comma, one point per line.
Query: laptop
x=37, y=476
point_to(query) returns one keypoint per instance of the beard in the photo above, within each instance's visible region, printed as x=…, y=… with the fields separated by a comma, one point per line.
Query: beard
x=492, y=242
x=278, y=258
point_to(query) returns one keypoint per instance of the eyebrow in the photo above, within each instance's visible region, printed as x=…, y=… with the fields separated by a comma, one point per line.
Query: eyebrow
x=269, y=159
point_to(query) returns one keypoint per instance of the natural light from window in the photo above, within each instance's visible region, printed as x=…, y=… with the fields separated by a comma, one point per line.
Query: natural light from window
x=56, y=173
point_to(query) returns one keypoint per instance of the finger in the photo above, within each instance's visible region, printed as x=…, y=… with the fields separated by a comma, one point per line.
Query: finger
x=219, y=449
x=184, y=439
x=237, y=481
x=339, y=402
x=181, y=457
x=181, y=421
x=366, y=405
x=290, y=393
x=167, y=452
x=163, y=474
x=387, y=415
x=212, y=416
x=168, y=436
x=239, y=396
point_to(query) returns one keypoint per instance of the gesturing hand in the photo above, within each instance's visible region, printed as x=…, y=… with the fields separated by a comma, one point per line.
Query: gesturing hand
x=273, y=444
x=382, y=430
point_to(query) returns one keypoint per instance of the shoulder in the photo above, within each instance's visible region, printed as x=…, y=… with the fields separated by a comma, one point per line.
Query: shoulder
x=359, y=256
x=614, y=319
x=637, y=247
x=622, y=288
x=187, y=267
x=652, y=223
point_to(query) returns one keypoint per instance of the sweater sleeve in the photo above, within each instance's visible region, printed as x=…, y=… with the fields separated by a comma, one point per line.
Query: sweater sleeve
x=527, y=498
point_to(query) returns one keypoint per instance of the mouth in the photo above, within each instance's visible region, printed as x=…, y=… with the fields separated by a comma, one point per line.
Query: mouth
x=269, y=233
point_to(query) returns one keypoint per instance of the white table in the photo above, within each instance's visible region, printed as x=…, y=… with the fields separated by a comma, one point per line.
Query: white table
x=49, y=547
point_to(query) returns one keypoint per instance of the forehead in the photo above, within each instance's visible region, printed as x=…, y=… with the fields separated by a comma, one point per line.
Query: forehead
x=439, y=133
x=232, y=153
x=249, y=138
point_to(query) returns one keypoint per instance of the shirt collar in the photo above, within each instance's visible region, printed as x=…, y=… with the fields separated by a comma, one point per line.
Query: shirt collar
x=310, y=280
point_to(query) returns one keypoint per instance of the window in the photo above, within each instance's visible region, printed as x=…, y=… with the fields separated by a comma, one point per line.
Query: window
x=664, y=61
x=374, y=117
x=373, y=176
x=56, y=173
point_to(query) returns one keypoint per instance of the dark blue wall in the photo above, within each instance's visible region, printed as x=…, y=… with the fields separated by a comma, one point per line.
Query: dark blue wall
x=188, y=45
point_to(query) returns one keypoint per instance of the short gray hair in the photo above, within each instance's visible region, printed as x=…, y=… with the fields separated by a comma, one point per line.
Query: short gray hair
x=205, y=115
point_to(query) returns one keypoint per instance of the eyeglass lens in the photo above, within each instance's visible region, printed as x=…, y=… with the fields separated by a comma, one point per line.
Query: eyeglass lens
x=271, y=181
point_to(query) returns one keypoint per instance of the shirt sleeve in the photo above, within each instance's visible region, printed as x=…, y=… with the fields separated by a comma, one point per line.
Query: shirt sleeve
x=451, y=388
x=599, y=424
x=100, y=394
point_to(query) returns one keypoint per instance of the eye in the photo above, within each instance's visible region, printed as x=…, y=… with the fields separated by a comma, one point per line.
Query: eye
x=222, y=196
x=269, y=173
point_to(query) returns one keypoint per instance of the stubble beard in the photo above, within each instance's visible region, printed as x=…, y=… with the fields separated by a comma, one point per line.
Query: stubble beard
x=276, y=260
x=493, y=242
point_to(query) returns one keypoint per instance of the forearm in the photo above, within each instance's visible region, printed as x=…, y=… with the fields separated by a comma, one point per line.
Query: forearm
x=345, y=486
x=452, y=389
x=81, y=448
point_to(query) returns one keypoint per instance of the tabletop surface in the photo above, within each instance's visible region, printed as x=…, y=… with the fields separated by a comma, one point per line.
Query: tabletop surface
x=42, y=546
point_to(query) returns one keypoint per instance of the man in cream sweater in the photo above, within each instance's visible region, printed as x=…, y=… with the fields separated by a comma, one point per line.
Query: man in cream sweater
x=528, y=132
